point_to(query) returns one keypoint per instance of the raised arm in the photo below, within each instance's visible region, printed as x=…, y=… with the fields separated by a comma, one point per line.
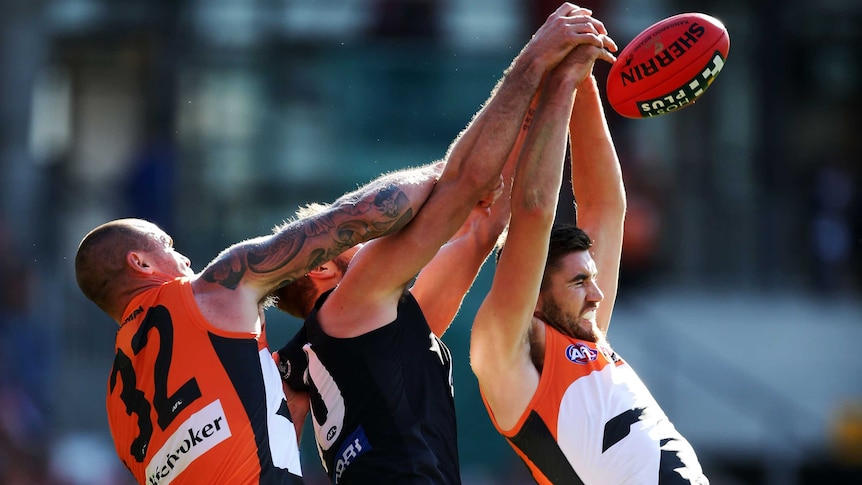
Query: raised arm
x=599, y=193
x=382, y=269
x=499, y=349
x=442, y=284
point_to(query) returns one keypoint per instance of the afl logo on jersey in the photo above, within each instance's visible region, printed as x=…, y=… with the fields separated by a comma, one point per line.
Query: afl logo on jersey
x=580, y=353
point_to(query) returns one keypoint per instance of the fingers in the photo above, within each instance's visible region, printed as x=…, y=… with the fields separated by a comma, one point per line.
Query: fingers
x=569, y=9
x=594, y=32
x=568, y=27
x=609, y=44
x=578, y=65
x=597, y=25
x=606, y=56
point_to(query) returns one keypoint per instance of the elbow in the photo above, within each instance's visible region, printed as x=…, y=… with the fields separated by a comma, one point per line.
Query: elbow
x=537, y=203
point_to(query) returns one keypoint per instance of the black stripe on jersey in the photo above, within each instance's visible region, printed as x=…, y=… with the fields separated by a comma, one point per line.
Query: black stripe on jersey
x=619, y=427
x=240, y=359
x=536, y=441
x=671, y=464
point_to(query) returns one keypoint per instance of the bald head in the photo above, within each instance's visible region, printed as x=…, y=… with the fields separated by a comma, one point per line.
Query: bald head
x=100, y=265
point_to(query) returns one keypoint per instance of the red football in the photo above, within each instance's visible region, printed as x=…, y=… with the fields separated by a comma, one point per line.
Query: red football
x=668, y=65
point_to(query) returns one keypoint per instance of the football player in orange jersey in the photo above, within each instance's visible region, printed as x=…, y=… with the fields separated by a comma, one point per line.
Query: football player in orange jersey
x=194, y=395
x=572, y=409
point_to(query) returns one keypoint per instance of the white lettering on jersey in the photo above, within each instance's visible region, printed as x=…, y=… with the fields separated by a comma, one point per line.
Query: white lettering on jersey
x=197, y=435
x=353, y=447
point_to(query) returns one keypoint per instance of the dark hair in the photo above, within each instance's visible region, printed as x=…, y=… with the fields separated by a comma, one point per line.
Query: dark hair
x=566, y=239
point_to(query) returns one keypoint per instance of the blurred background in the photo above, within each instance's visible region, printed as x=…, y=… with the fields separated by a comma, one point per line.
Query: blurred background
x=740, y=302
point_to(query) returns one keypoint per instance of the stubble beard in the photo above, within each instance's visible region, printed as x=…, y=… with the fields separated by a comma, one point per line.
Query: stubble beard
x=569, y=324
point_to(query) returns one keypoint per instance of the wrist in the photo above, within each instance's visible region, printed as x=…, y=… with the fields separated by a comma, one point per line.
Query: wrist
x=589, y=83
x=562, y=81
x=527, y=70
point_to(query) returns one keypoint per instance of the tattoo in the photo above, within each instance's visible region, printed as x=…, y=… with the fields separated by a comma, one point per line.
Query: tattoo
x=391, y=206
x=227, y=271
x=388, y=201
x=272, y=257
x=395, y=205
x=528, y=120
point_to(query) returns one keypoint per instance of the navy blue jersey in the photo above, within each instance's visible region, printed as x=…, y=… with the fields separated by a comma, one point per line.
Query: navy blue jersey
x=382, y=403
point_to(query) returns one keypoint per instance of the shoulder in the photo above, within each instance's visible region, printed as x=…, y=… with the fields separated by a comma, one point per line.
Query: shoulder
x=230, y=309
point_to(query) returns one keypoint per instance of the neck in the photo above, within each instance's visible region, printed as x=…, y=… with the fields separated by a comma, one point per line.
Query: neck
x=311, y=301
x=125, y=296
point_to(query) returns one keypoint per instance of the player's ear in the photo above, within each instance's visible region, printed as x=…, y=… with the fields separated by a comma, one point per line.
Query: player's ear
x=138, y=262
x=324, y=271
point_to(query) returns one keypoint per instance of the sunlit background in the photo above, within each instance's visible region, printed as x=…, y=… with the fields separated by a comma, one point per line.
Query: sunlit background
x=740, y=296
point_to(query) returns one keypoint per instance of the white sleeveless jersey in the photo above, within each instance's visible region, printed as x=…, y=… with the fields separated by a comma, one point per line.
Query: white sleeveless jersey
x=592, y=421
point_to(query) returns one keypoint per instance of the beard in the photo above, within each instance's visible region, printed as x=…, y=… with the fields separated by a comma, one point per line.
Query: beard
x=569, y=324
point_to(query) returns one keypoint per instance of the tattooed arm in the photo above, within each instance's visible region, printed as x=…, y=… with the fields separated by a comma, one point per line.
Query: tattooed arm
x=245, y=273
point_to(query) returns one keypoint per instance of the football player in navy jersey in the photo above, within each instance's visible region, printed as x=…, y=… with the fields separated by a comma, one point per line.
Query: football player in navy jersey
x=369, y=353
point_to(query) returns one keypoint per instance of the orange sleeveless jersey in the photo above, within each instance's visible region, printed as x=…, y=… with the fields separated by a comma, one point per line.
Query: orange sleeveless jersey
x=189, y=403
x=592, y=421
